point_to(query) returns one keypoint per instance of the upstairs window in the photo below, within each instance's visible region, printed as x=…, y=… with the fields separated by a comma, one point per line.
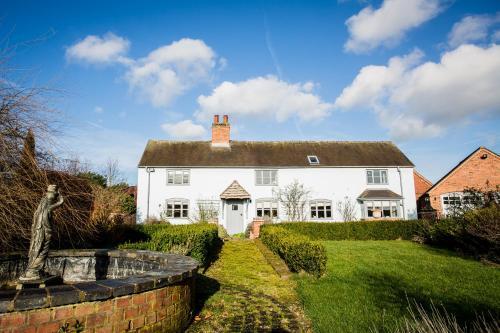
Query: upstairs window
x=376, y=176
x=313, y=159
x=321, y=209
x=177, y=208
x=178, y=177
x=266, y=177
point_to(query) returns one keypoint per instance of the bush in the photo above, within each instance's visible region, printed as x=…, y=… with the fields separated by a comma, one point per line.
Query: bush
x=298, y=251
x=363, y=230
x=199, y=241
x=476, y=232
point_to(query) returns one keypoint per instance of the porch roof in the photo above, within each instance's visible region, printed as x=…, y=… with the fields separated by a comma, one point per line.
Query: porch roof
x=378, y=194
x=235, y=191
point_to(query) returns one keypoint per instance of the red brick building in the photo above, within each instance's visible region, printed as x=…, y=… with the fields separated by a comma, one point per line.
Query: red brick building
x=422, y=185
x=479, y=170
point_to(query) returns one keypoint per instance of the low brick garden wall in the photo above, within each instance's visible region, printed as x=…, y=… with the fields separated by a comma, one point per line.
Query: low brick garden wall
x=159, y=299
x=165, y=309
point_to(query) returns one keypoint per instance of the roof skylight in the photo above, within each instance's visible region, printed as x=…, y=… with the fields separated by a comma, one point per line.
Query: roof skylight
x=313, y=159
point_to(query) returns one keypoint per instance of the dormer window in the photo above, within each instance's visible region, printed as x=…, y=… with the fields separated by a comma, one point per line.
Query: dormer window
x=313, y=159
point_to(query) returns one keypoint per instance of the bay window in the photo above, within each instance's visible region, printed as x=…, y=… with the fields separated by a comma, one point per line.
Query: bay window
x=382, y=209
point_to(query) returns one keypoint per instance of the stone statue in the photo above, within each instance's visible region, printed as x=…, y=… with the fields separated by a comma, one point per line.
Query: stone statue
x=41, y=232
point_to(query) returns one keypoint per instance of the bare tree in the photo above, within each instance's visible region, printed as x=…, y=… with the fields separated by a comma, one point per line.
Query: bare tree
x=293, y=197
x=206, y=211
x=347, y=209
x=112, y=172
x=26, y=119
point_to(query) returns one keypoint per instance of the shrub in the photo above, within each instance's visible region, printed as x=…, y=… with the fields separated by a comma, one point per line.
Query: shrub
x=298, y=251
x=362, y=230
x=476, y=232
x=199, y=241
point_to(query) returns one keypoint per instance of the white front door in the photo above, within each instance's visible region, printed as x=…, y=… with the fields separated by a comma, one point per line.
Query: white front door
x=234, y=214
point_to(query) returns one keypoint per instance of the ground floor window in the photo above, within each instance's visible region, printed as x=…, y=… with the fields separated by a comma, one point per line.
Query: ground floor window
x=382, y=208
x=458, y=202
x=177, y=208
x=452, y=199
x=321, y=209
x=267, y=208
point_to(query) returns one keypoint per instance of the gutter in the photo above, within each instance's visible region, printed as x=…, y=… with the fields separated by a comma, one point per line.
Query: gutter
x=149, y=170
x=402, y=196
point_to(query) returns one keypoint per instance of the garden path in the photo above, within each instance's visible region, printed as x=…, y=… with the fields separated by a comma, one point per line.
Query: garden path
x=241, y=292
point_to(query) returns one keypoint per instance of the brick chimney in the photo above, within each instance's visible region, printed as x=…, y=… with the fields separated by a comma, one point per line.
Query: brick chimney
x=220, y=132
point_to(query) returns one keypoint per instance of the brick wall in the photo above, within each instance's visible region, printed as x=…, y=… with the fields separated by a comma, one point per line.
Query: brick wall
x=474, y=172
x=421, y=184
x=255, y=228
x=166, y=309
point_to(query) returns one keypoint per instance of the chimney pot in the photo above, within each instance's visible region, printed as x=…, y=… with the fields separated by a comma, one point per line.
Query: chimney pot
x=221, y=132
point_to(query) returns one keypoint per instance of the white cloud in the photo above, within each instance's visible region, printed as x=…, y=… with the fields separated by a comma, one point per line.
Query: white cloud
x=414, y=99
x=184, y=129
x=98, y=109
x=170, y=70
x=95, y=49
x=388, y=24
x=472, y=28
x=266, y=97
x=165, y=73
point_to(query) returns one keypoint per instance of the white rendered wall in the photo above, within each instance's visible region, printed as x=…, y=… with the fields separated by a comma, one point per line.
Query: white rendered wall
x=324, y=183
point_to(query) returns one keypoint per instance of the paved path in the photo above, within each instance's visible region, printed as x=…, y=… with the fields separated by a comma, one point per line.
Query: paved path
x=241, y=292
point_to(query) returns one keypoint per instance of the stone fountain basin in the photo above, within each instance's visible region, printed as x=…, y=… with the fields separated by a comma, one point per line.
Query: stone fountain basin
x=92, y=275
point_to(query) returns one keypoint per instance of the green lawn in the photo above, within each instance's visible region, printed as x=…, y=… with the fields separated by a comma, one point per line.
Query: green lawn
x=241, y=292
x=369, y=285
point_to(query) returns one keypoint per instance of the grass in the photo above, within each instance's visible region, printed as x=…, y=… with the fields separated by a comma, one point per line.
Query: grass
x=369, y=285
x=242, y=292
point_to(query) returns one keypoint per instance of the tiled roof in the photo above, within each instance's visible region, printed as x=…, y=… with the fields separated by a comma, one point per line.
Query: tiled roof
x=235, y=191
x=273, y=154
x=379, y=194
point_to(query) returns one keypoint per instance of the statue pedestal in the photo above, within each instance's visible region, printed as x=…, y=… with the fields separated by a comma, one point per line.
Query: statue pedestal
x=39, y=283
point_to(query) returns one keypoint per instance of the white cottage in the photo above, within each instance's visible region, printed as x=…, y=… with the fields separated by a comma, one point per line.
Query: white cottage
x=234, y=182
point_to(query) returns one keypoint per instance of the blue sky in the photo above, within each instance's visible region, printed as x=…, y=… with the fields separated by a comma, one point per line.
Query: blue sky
x=423, y=73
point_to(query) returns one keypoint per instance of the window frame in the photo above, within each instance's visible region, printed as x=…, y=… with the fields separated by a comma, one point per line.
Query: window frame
x=382, y=204
x=311, y=162
x=184, y=208
x=271, y=172
x=183, y=173
x=372, y=171
x=272, y=202
x=324, y=203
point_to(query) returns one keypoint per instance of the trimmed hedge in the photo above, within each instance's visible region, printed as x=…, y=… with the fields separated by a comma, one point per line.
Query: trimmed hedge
x=362, y=230
x=298, y=251
x=200, y=241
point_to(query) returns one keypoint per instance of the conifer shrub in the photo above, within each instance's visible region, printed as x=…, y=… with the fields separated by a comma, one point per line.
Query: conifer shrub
x=298, y=251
